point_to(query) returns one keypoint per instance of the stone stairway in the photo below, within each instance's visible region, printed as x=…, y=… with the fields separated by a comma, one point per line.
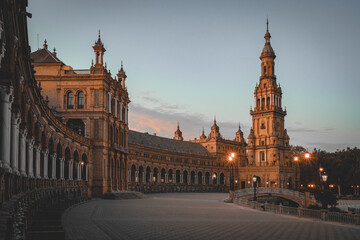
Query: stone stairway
x=46, y=225
x=124, y=195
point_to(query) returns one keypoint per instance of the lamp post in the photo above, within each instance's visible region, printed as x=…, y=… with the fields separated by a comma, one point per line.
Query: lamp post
x=296, y=159
x=232, y=155
x=255, y=180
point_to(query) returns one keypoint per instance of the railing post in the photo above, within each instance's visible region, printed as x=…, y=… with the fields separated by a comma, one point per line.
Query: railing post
x=323, y=215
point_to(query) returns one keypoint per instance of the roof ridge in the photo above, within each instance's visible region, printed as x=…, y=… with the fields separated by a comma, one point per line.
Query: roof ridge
x=55, y=58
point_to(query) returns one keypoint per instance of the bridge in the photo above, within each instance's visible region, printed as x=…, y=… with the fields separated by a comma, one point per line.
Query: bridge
x=303, y=199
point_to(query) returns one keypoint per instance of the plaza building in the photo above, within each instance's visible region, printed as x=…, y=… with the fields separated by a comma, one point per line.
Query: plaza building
x=268, y=147
x=158, y=164
x=43, y=163
x=222, y=149
x=94, y=105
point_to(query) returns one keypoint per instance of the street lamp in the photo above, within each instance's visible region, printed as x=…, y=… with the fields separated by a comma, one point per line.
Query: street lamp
x=296, y=159
x=232, y=155
x=255, y=180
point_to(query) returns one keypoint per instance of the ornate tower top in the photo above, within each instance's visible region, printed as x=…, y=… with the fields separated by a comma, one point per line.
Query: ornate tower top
x=239, y=136
x=203, y=136
x=122, y=76
x=178, y=134
x=215, y=131
x=99, y=51
x=267, y=50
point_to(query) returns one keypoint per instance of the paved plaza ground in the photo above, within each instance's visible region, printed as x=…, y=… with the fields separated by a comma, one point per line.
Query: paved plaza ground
x=191, y=216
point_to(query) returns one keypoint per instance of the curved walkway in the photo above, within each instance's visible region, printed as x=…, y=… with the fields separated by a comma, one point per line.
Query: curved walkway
x=191, y=216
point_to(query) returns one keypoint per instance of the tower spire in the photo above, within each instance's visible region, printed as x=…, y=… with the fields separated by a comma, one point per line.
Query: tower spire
x=267, y=24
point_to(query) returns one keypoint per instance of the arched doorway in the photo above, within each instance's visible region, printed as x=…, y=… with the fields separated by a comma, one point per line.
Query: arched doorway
x=58, y=162
x=133, y=170
x=162, y=175
x=170, y=176
x=155, y=175
x=185, y=177
x=192, y=178
x=178, y=176
x=141, y=177
x=214, y=178
x=222, y=178
x=84, y=166
x=148, y=171
x=207, y=178
x=200, y=178
x=67, y=163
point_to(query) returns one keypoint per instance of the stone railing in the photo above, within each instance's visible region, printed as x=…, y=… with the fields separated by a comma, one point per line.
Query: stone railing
x=170, y=187
x=322, y=215
x=17, y=213
x=265, y=190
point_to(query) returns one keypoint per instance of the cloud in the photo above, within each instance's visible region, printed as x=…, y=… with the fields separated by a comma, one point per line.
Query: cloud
x=163, y=122
x=148, y=97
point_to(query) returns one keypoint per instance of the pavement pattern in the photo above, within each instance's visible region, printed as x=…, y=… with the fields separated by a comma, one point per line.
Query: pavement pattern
x=191, y=216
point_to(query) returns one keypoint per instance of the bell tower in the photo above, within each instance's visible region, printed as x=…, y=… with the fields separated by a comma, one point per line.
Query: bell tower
x=178, y=134
x=99, y=51
x=268, y=142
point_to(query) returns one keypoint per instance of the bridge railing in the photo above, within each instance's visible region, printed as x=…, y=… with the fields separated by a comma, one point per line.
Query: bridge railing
x=322, y=215
x=285, y=191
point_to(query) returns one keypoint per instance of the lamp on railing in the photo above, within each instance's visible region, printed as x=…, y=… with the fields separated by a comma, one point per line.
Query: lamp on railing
x=255, y=180
x=232, y=155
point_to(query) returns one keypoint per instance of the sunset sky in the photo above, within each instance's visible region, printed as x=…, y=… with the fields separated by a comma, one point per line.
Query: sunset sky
x=187, y=61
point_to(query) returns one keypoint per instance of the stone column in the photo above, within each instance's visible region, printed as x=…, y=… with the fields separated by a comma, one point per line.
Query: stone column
x=53, y=170
x=116, y=99
x=22, y=152
x=218, y=180
x=6, y=93
x=71, y=169
x=196, y=179
x=143, y=177
x=79, y=169
x=159, y=178
x=174, y=178
x=129, y=176
x=62, y=160
x=126, y=115
x=86, y=172
x=137, y=176
x=37, y=160
x=181, y=178
x=121, y=106
x=210, y=179
x=46, y=155
x=151, y=177
x=166, y=178
x=188, y=179
x=30, y=160
x=109, y=102
x=14, y=154
x=202, y=179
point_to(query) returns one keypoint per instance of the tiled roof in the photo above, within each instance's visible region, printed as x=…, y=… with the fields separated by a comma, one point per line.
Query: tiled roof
x=44, y=56
x=168, y=144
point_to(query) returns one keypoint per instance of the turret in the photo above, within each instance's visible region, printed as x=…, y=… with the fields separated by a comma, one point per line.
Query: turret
x=178, y=134
x=122, y=76
x=99, y=51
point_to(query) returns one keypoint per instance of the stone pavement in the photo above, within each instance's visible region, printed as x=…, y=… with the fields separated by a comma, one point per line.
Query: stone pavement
x=191, y=216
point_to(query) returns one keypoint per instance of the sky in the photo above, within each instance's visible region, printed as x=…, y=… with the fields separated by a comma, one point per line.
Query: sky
x=188, y=61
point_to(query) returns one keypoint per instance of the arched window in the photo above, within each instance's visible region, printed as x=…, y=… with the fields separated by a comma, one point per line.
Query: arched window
x=70, y=100
x=80, y=100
